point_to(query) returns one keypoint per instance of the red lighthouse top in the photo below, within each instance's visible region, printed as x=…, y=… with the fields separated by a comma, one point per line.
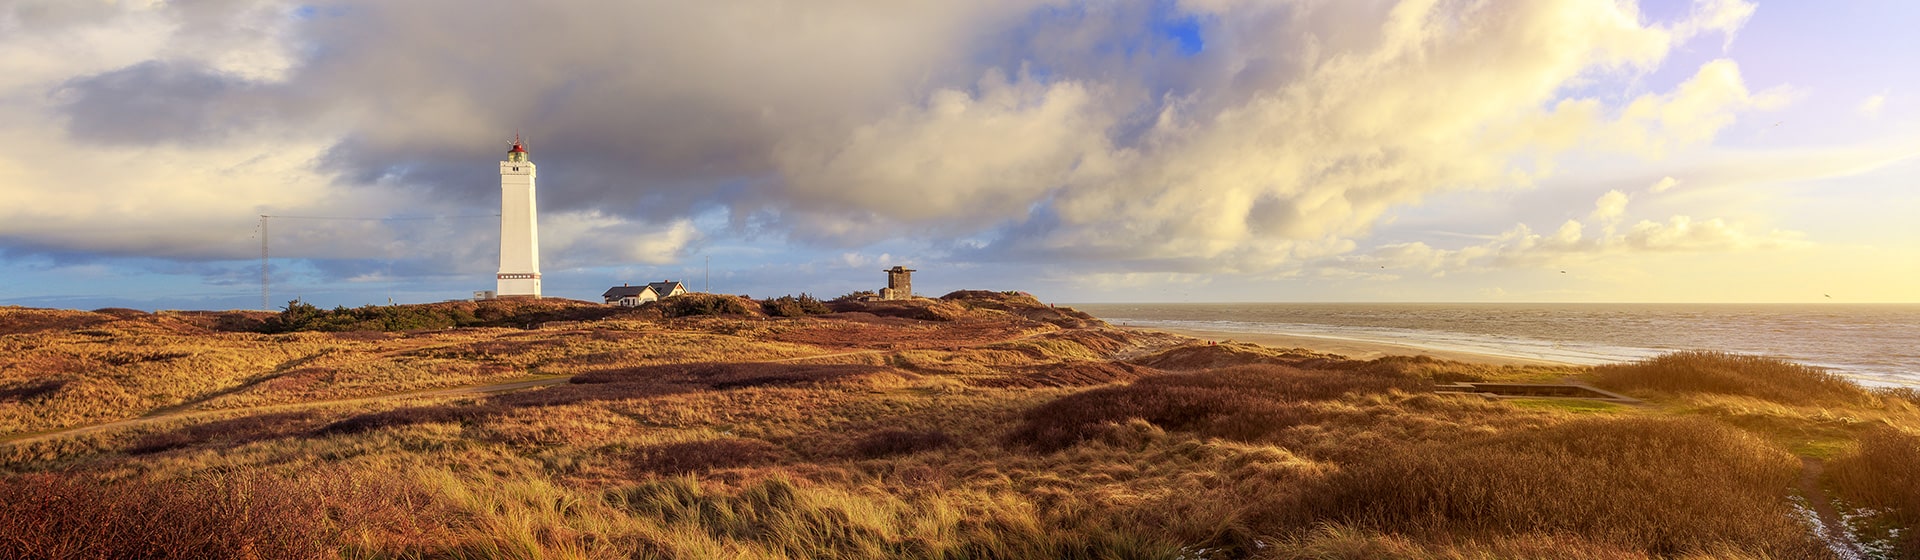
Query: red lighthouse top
x=518, y=147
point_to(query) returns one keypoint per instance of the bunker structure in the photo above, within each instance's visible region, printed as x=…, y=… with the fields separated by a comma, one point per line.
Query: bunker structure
x=899, y=284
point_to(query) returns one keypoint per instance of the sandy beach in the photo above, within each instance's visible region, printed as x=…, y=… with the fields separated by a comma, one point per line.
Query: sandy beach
x=1356, y=349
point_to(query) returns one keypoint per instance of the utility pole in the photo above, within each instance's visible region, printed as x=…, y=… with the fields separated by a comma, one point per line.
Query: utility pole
x=709, y=274
x=266, y=302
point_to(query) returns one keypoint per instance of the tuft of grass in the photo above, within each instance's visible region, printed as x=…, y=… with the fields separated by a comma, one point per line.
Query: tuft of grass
x=706, y=455
x=1761, y=377
x=886, y=443
x=1883, y=472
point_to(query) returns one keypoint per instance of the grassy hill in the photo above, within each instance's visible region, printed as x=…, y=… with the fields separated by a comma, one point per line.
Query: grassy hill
x=977, y=425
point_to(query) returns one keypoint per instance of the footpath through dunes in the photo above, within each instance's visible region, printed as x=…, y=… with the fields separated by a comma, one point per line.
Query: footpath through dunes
x=980, y=424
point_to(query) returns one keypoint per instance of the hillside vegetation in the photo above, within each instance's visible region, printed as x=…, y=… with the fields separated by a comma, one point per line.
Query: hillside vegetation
x=976, y=425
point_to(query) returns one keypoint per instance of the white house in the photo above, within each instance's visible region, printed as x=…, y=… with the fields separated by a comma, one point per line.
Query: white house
x=632, y=296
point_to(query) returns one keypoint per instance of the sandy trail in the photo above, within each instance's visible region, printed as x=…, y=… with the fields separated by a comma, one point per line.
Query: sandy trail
x=1832, y=528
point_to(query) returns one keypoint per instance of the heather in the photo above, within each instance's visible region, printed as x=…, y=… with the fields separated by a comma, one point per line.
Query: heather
x=978, y=425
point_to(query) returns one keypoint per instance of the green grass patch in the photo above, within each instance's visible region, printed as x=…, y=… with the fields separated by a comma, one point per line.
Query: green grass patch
x=1575, y=406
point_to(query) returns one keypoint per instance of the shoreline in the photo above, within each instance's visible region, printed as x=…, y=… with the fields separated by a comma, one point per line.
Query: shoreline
x=1353, y=349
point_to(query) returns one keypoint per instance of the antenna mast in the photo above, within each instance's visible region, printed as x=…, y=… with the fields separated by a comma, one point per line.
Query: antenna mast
x=709, y=274
x=266, y=303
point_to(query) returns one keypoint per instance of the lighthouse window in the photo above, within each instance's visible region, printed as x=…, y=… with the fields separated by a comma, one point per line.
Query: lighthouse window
x=516, y=169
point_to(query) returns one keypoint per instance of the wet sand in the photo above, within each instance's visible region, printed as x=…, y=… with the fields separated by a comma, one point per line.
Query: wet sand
x=1356, y=349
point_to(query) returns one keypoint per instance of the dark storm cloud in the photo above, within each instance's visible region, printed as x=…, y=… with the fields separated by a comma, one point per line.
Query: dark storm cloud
x=158, y=102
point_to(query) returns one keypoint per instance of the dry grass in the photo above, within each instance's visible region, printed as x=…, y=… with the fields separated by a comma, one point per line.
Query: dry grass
x=1722, y=373
x=1245, y=403
x=1662, y=486
x=1883, y=472
x=700, y=456
x=244, y=517
x=1000, y=432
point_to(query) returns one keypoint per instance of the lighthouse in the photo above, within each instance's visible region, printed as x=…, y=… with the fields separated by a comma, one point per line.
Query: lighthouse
x=519, y=227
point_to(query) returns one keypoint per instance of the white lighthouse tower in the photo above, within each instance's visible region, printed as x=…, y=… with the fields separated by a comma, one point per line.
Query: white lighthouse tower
x=519, y=227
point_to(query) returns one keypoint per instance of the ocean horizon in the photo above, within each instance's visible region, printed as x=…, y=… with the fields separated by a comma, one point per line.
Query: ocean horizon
x=1871, y=344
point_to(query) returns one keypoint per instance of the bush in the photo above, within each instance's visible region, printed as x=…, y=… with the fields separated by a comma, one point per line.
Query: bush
x=1670, y=487
x=856, y=295
x=439, y=414
x=1723, y=373
x=789, y=306
x=1881, y=473
x=302, y=316
x=1243, y=403
x=688, y=305
x=887, y=443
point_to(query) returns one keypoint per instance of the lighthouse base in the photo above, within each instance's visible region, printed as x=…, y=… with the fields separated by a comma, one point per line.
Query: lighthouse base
x=518, y=285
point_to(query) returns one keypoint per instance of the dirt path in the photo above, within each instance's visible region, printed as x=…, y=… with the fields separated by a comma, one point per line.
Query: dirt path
x=1832, y=528
x=178, y=412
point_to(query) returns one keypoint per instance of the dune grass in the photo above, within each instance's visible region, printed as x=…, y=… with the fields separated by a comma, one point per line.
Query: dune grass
x=1882, y=472
x=1001, y=431
x=1721, y=373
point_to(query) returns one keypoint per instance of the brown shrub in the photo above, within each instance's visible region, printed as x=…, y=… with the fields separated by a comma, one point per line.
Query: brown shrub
x=51, y=516
x=706, y=455
x=409, y=416
x=234, y=431
x=886, y=443
x=1760, y=377
x=1884, y=472
x=30, y=390
x=1664, y=486
x=1244, y=403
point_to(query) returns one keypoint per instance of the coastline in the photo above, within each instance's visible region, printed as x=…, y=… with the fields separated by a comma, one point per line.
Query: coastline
x=1354, y=349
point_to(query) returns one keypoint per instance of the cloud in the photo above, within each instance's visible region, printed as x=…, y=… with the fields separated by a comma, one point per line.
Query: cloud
x=1609, y=207
x=1521, y=247
x=590, y=238
x=1870, y=107
x=1723, y=16
x=1057, y=132
x=1663, y=185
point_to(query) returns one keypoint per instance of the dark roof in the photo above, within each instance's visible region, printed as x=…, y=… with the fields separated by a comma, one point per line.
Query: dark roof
x=618, y=292
x=665, y=287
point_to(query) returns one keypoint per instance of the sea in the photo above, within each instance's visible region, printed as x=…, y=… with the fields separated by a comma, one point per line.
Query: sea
x=1872, y=344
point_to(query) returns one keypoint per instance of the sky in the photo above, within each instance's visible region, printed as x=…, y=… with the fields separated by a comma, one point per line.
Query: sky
x=1084, y=151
